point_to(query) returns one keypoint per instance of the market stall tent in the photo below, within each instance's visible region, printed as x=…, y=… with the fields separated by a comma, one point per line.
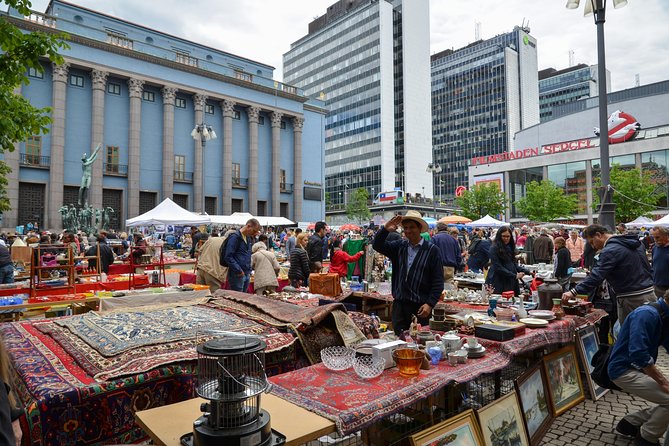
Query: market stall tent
x=168, y=213
x=240, y=219
x=487, y=222
x=641, y=222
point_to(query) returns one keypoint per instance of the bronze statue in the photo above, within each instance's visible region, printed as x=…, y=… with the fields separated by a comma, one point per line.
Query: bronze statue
x=87, y=167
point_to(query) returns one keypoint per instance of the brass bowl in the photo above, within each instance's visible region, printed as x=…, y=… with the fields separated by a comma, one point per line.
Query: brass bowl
x=408, y=361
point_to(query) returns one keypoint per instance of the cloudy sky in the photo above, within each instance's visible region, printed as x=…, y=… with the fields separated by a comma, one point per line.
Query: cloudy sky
x=262, y=30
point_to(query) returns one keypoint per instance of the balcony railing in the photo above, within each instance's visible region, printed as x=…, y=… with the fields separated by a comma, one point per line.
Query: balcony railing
x=286, y=187
x=181, y=176
x=120, y=170
x=240, y=182
x=30, y=160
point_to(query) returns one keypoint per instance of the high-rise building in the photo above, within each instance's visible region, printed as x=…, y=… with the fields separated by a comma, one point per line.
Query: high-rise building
x=482, y=95
x=369, y=61
x=557, y=87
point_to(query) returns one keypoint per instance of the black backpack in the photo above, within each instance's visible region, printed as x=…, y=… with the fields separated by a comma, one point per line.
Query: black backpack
x=221, y=252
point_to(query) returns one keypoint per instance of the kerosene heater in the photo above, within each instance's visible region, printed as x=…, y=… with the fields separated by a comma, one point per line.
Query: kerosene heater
x=232, y=377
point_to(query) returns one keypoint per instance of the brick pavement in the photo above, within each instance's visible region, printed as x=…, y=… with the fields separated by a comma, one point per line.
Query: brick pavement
x=593, y=423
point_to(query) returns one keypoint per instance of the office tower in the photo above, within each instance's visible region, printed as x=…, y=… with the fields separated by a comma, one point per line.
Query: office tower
x=557, y=87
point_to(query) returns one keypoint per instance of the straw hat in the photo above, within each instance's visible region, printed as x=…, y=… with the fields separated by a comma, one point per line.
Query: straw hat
x=415, y=216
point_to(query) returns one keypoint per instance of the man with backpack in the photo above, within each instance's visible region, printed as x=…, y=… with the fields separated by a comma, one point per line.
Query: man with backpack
x=632, y=368
x=237, y=255
x=209, y=270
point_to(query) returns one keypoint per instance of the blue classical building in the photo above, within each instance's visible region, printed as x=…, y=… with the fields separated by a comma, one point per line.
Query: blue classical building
x=141, y=93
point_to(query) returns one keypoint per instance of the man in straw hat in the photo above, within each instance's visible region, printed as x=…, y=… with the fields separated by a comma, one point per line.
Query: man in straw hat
x=417, y=280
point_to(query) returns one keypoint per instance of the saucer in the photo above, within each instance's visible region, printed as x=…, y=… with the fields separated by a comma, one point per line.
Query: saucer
x=542, y=314
x=477, y=353
x=534, y=323
x=477, y=349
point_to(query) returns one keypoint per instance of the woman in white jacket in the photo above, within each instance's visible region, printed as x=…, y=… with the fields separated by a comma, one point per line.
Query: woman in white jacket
x=265, y=267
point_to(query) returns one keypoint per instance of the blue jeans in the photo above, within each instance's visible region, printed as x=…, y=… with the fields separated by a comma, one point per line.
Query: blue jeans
x=7, y=273
x=239, y=283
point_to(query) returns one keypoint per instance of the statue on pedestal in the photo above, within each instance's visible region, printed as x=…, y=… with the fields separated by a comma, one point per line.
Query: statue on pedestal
x=87, y=167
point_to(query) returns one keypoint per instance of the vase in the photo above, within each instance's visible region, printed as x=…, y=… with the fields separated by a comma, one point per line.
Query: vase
x=557, y=309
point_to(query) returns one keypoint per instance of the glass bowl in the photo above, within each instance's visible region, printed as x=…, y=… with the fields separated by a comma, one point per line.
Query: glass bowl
x=337, y=357
x=369, y=367
x=408, y=361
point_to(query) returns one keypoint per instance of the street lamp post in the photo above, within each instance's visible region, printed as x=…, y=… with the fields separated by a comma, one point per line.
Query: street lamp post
x=434, y=168
x=607, y=209
x=203, y=133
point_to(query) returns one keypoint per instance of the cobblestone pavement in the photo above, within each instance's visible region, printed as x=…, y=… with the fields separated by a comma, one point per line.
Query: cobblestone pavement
x=593, y=423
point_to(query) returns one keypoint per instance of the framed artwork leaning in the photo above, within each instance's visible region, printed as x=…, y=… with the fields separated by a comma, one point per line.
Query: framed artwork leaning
x=460, y=430
x=564, y=379
x=534, y=402
x=502, y=422
x=588, y=344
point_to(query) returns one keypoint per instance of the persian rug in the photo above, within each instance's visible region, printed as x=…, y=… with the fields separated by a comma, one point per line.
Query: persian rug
x=111, y=334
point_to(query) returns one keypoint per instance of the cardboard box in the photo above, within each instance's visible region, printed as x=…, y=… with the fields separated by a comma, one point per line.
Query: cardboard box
x=386, y=350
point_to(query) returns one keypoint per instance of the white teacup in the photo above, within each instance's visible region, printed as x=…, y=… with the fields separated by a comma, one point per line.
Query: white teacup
x=472, y=343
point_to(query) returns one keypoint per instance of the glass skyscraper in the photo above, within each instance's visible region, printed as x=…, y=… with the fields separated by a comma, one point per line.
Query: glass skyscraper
x=557, y=87
x=481, y=96
x=369, y=61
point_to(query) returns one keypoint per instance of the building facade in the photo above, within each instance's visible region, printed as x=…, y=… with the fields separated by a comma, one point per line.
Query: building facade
x=481, y=96
x=369, y=61
x=140, y=93
x=566, y=151
x=557, y=87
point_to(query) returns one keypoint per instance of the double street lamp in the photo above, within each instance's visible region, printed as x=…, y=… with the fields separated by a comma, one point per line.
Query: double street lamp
x=434, y=168
x=203, y=133
x=607, y=209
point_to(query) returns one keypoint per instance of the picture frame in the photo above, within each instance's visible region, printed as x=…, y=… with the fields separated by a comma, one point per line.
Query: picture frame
x=534, y=400
x=462, y=427
x=588, y=344
x=501, y=422
x=564, y=379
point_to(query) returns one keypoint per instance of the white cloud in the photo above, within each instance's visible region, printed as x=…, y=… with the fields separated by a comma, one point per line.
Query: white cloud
x=263, y=30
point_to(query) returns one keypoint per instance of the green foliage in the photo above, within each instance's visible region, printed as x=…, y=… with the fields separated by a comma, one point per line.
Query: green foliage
x=328, y=199
x=481, y=200
x=544, y=201
x=634, y=193
x=357, y=208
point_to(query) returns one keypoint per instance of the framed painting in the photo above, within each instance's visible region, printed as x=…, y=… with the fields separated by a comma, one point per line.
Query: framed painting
x=460, y=430
x=534, y=403
x=588, y=344
x=564, y=380
x=501, y=422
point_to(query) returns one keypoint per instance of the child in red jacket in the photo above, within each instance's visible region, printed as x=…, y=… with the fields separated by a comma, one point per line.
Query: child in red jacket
x=340, y=259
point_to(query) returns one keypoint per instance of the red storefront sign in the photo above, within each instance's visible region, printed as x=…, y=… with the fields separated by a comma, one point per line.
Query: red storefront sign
x=531, y=152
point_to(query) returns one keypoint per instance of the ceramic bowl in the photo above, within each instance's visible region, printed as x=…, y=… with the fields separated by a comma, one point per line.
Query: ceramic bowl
x=368, y=367
x=337, y=357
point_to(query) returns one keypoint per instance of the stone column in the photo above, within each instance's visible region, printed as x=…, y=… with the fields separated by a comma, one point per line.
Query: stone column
x=228, y=114
x=254, y=113
x=135, y=89
x=198, y=172
x=169, y=94
x=53, y=219
x=297, y=168
x=10, y=218
x=99, y=82
x=275, y=189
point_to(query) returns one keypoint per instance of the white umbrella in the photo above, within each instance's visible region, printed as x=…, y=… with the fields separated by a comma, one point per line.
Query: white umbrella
x=487, y=222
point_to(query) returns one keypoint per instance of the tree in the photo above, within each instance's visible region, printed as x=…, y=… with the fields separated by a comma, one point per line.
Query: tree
x=19, y=52
x=545, y=201
x=481, y=200
x=357, y=208
x=633, y=193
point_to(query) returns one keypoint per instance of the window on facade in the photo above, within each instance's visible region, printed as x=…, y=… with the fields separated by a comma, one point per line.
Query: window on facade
x=283, y=124
x=149, y=96
x=111, y=164
x=261, y=120
x=76, y=80
x=236, y=174
x=179, y=167
x=186, y=59
x=243, y=76
x=119, y=40
x=34, y=72
x=208, y=108
x=113, y=88
x=236, y=114
x=282, y=179
x=33, y=149
x=180, y=102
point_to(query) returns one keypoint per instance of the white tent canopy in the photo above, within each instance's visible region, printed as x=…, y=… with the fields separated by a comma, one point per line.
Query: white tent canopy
x=641, y=222
x=664, y=221
x=486, y=222
x=240, y=218
x=168, y=213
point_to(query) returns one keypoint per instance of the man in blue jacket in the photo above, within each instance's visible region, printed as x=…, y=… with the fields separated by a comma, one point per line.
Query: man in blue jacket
x=632, y=368
x=449, y=248
x=238, y=255
x=623, y=263
x=417, y=280
x=479, y=250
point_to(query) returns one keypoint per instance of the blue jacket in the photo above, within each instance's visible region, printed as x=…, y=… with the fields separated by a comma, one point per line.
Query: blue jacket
x=624, y=265
x=238, y=253
x=479, y=254
x=638, y=341
x=661, y=265
x=449, y=248
x=424, y=282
